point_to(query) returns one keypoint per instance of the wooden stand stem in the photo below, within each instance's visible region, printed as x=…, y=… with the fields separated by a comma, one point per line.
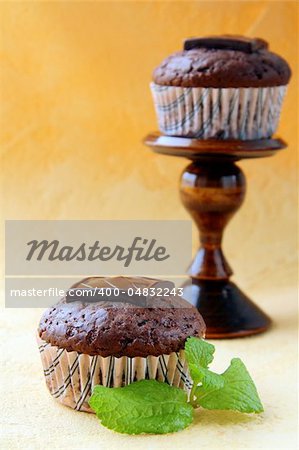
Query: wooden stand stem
x=211, y=193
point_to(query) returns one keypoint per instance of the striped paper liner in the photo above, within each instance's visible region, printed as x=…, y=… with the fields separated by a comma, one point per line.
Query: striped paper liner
x=71, y=376
x=228, y=113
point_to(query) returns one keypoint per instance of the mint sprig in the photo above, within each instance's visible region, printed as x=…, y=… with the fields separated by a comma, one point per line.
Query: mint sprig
x=237, y=391
x=234, y=389
x=146, y=406
x=149, y=406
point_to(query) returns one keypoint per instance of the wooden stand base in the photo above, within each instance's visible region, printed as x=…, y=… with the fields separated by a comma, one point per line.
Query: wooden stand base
x=212, y=189
x=227, y=311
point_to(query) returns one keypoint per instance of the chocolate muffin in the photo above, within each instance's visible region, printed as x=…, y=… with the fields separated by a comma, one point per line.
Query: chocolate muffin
x=226, y=87
x=114, y=343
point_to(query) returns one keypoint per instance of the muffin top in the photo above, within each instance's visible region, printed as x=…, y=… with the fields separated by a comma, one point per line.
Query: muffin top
x=151, y=326
x=223, y=61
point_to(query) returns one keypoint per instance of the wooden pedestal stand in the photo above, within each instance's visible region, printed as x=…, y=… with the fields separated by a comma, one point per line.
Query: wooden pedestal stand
x=212, y=189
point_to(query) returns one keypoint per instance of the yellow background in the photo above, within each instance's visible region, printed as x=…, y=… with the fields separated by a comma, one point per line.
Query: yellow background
x=75, y=105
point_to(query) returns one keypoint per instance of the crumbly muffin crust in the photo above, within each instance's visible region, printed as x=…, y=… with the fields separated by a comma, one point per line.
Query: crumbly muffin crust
x=223, y=67
x=121, y=329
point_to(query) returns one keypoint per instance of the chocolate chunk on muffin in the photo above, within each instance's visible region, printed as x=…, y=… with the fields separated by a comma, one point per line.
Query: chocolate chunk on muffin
x=115, y=342
x=227, y=86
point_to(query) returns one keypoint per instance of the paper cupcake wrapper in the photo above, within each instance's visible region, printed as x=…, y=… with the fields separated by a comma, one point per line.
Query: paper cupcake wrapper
x=228, y=113
x=71, y=376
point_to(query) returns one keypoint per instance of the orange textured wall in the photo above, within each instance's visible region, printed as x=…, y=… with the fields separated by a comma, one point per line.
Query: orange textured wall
x=75, y=105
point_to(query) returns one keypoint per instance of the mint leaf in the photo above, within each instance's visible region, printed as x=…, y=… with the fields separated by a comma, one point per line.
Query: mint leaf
x=208, y=378
x=146, y=406
x=234, y=389
x=199, y=354
x=199, y=351
x=149, y=406
x=237, y=392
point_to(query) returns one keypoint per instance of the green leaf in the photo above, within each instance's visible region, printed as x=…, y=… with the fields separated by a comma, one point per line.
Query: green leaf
x=237, y=392
x=199, y=354
x=146, y=406
x=199, y=351
x=208, y=378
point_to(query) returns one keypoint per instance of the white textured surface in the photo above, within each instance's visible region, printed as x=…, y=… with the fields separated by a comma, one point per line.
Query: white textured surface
x=33, y=420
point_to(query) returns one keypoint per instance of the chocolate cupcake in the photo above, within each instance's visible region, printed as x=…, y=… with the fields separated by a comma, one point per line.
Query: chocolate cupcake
x=114, y=343
x=225, y=87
